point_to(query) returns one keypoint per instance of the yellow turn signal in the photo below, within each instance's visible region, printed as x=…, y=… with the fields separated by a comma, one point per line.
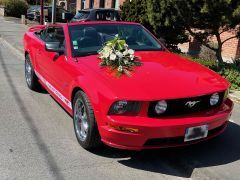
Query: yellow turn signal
x=124, y=129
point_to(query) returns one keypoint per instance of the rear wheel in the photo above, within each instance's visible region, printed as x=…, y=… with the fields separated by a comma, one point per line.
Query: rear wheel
x=30, y=76
x=84, y=122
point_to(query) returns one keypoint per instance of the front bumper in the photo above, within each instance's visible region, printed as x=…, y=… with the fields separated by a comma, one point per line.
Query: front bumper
x=164, y=132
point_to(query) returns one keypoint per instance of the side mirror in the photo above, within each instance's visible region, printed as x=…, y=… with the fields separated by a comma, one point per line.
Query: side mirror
x=67, y=16
x=54, y=47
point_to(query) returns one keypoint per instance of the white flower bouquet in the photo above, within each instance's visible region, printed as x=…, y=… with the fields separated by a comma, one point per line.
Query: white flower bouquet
x=116, y=55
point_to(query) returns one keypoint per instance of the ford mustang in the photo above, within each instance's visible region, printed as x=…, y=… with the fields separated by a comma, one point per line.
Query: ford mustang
x=168, y=101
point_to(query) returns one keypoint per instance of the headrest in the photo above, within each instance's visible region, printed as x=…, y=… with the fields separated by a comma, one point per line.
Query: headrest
x=90, y=31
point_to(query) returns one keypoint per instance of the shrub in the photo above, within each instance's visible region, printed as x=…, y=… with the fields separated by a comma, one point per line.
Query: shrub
x=16, y=8
x=232, y=73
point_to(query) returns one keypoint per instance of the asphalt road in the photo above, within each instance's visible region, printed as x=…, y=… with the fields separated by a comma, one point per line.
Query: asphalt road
x=37, y=142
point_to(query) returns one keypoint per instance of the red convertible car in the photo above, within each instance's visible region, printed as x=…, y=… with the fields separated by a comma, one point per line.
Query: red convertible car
x=167, y=101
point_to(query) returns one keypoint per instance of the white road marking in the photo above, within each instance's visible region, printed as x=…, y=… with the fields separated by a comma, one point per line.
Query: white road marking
x=54, y=90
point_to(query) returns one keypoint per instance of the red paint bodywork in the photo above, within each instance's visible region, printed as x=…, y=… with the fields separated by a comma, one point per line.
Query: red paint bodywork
x=163, y=75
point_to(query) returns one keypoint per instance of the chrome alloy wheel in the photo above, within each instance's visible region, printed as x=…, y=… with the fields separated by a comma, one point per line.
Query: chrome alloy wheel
x=80, y=120
x=28, y=72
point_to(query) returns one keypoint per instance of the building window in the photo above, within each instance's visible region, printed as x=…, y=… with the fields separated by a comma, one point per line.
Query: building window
x=115, y=4
x=82, y=4
x=91, y=4
x=102, y=4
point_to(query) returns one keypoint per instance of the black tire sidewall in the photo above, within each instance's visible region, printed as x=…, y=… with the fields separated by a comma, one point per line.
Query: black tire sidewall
x=34, y=85
x=27, y=60
x=87, y=143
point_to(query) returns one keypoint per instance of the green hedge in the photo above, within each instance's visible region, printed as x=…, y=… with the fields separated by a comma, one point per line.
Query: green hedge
x=15, y=8
x=230, y=71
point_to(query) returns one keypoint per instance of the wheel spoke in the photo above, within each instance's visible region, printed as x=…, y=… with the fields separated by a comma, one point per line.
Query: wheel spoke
x=28, y=72
x=80, y=120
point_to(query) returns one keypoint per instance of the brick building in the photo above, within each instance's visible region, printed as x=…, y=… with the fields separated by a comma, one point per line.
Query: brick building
x=83, y=4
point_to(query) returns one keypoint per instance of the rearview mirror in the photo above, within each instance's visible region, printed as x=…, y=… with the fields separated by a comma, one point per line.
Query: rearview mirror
x=54, y=47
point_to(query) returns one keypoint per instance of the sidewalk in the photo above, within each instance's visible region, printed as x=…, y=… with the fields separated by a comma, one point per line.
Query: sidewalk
x=12, y=32
x=235, y=96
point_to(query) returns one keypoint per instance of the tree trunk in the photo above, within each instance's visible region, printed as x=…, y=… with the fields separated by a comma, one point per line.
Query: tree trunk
x=219, y=49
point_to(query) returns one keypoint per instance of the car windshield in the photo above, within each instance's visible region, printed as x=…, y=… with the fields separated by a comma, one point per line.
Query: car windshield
x=89, y=38
x=34, y=7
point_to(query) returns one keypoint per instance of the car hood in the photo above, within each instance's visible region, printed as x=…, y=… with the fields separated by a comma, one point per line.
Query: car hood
x=163, y=75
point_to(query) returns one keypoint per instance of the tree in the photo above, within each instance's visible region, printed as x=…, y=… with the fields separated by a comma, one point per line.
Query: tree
x=135, y=10
x=153, y=18
x=171, y=19
x=210, y=18
x=165, y=22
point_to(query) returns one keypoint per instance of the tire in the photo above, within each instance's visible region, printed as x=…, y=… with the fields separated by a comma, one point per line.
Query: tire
x=30, y=76
x=85, y=126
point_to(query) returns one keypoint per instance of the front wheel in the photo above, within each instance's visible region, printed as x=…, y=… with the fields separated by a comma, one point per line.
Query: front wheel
x=30, y=76
x=84, y=122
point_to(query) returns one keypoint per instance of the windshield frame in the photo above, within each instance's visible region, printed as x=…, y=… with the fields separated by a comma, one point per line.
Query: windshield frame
x=163, y=48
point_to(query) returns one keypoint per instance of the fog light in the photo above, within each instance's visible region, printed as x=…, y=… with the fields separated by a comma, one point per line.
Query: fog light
x=120, y=107
x=214, y=99
x=161, y=107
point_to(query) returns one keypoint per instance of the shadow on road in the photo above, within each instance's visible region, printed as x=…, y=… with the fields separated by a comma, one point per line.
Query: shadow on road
x=42, y=146
x=182, y=161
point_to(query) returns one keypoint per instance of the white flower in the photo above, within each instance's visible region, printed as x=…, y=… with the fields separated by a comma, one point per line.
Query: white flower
x=125, y=45
x=125, y=61
x=116, y=35
x=113, y=57
x=132, y=57
x=131, y=52
x=119, y=54
x=120, y=68
x=125, y=53
x=105, y=54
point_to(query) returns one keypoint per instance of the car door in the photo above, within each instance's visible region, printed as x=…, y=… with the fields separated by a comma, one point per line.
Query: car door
x=41, y=62
x=57, y=65
x=44, y=58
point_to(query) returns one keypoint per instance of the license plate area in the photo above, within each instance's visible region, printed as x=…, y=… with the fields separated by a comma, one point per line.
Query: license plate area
x=197, y=132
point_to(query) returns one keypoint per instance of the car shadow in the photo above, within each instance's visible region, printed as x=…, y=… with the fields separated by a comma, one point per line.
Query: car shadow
x=41, y=90
x=182, y=161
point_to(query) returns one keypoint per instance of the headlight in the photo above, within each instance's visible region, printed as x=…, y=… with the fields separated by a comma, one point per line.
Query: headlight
x=160, y=107
x=125, y=108
x=214, y=99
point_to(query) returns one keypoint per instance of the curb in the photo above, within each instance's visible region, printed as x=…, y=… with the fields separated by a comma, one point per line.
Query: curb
x=234, y=98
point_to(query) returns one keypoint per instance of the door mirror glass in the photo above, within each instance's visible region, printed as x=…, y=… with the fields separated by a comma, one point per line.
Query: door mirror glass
x=54, y=47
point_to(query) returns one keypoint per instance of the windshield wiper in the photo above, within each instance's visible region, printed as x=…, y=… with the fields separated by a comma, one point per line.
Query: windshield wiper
x=82, y=54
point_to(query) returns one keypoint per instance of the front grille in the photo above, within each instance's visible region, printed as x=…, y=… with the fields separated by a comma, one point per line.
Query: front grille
x=180, y=140
x=179, y=107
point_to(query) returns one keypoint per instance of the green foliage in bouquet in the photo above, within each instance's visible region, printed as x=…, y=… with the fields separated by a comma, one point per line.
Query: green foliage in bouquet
x=116, y=55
